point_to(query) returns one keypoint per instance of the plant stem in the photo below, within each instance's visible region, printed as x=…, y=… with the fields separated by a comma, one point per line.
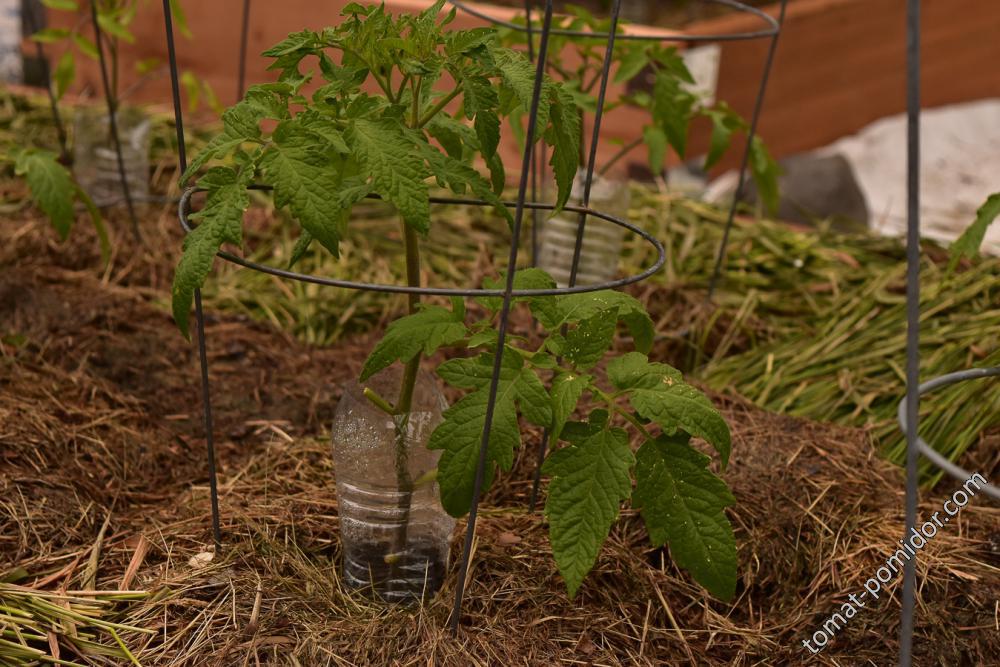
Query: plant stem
x=625, y=150
x=404, y=404
x=436, y=109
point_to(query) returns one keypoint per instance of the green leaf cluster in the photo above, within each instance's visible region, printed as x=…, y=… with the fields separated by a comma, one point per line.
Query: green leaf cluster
x=670, y=104
x=435, y=121
x=592, y=467
x=55, y=193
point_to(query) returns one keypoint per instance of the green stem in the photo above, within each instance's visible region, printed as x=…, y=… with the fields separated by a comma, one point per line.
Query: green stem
x=404, y=482
x=625, y=150
x=628, y=416
x=436, y=109
x=416, y=107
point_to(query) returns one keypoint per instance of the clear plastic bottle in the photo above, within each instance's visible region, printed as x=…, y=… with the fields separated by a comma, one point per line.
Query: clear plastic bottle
x=602, y=240
x=95, y=161
x=395, y=542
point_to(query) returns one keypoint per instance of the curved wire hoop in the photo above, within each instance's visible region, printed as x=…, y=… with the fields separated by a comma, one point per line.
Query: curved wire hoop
x=932, y=454
x=771, y=29
x=184, y=213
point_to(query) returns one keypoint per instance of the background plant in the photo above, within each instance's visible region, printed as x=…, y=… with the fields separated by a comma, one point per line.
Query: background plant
x=115, y=19
x=671, y=106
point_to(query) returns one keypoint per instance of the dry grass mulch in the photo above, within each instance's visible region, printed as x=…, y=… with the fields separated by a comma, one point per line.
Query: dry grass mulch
x=99, y=417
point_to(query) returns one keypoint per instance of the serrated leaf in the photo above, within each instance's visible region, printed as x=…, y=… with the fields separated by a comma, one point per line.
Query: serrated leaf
x=524, y=279
x=683, y=505
x=241, y=123
x=629, y=65
x=971, y=240
x=575, y=307
x=518, y=74
x=397, y=172
x=567, y=388
x=659, y=395
x=589, y=481
x=457, y=175
x=480, y=101
x=635, y=371
x=672, y=110
x=220, y=221
x=563, y=135
x=424, y=331
x=460, y=434
x=51, y=187
x=588, y=341
x=306, y=180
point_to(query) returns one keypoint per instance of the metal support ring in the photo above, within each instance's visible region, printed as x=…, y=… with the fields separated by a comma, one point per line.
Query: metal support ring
x=932, y=454
x=183, y=213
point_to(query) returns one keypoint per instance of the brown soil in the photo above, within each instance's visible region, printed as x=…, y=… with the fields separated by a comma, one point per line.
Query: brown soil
x=100, y=416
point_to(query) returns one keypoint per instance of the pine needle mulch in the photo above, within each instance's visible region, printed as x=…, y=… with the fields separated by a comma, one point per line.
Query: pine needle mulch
x=99, y=423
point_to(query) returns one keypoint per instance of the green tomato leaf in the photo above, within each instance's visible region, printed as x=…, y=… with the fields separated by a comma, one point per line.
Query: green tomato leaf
x=587, y=342
x=656, y=141
x=636, y=371
x=422, y=332
x=524, y=279
x=241, y=123
x=658, y=394
x=307, y=180
x=567, y=388
x=971, y=240
x=460, y=434
x=589, y=481
x=765, y=173
x=397, y=172
x=683, y=505
x=220, y=221
x=518, y=74
x=64, y=73
x=630, y=64
x=576, y=307
x=51, y=187
x=564, y=137
x=111, y=26
x=86, y=46
x=722, y=134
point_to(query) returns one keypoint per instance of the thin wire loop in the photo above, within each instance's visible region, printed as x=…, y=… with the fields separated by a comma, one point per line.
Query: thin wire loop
x=772, y=27
x=183, y=214
x=935, y=457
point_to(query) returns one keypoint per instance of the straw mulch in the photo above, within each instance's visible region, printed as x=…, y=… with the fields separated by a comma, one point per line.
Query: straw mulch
x=99, y=420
